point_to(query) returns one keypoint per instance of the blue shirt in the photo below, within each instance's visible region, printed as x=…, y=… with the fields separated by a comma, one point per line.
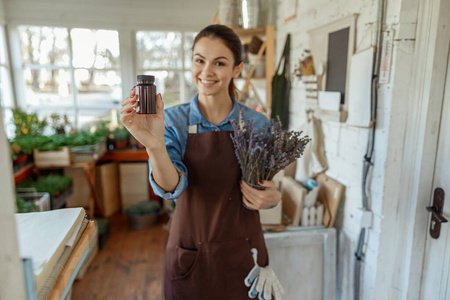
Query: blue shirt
x=177, y=120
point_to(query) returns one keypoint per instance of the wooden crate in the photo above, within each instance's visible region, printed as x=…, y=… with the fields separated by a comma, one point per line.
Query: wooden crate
x=107, y=187
x=57, y=158
x=134, y=184
x=81, y=190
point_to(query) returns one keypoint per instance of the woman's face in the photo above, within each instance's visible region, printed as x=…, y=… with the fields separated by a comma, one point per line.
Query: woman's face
x=213, y=67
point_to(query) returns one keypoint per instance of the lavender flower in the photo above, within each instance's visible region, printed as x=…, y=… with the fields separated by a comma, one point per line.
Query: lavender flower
x=263, y=153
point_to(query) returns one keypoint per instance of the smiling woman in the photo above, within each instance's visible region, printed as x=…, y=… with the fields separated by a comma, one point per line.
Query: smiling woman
x=216, y=231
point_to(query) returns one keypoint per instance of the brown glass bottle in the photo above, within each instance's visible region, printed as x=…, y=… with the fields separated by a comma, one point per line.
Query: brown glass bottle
x=146, y=94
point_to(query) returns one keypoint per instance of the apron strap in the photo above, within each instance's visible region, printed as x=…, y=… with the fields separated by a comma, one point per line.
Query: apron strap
x=193, y=129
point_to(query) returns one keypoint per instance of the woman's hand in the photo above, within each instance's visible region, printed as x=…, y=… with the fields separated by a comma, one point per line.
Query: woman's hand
x=148, y=129
x=260, y=199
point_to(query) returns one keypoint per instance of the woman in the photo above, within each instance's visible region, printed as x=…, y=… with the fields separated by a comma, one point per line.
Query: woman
x=192, y=159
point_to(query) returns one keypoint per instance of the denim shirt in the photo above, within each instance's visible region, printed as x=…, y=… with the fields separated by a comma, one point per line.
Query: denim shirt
x=177, y=120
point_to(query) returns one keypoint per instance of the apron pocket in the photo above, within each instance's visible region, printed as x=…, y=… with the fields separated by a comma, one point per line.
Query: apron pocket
x=186, y=261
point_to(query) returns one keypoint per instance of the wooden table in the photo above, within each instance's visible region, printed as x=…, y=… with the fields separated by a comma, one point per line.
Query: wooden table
x=126, y=155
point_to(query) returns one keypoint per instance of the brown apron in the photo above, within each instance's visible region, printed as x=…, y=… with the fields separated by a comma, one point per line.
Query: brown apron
x=208, y=250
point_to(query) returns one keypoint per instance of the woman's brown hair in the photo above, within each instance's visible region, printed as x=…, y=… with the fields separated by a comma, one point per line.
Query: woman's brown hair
x=230, y=39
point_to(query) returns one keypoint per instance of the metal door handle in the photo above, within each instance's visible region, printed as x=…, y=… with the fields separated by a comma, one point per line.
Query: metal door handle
x=436, y=213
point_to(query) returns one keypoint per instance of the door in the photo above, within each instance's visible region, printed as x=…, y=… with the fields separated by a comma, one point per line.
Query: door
x=436, y=268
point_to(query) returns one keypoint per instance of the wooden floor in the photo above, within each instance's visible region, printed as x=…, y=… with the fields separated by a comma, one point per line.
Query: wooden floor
x=129, y=266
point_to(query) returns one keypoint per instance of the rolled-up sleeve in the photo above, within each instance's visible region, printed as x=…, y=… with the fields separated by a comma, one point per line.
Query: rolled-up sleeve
x=175, y=153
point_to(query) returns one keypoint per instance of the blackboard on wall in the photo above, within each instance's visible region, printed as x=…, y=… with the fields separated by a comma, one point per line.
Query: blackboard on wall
x=337, y=61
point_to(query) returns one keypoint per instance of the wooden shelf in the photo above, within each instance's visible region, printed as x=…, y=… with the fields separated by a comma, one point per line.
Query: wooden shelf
x=23, y=173
x=267, y=47
x=126, y=155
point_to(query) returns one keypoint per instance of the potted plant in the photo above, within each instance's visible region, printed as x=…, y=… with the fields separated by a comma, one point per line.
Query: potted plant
x=58, y=186
x=22, y=147
x=143, y=214
x=121, y=136
x=27, y=123
x=59, y=123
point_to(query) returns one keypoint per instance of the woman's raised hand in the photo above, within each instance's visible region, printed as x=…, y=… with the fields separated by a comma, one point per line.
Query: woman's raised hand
x=148, y=129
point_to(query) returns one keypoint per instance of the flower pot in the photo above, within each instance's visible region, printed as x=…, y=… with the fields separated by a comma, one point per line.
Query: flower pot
x=21, y=158
x=120, y=144
x=143, y=221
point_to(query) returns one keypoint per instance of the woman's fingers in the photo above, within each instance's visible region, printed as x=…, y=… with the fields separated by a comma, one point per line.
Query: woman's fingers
x=249, y=204
x=128, y=107
x=132, y=92
x=260, y=199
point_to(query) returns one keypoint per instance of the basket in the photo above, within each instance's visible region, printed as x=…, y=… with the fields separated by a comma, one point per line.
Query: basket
x=41, y=200
x=88, y=153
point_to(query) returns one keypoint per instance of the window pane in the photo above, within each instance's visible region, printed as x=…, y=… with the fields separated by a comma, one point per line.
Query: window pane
x=3, y=57
x=95, y=48
x=8, y=122
x=89, y=118
x=189, y=87
x=188, y=42
x=47, y=87
x=45, y=112
x=44, y=45
x=97, y=88
x=168, y=84
x=5, y=88
x=158, y=50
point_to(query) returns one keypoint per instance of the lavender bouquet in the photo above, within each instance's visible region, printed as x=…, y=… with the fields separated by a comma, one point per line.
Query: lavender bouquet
x=263, y=153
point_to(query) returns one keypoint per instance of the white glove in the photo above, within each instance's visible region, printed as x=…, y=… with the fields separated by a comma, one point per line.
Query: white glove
x=263, y=281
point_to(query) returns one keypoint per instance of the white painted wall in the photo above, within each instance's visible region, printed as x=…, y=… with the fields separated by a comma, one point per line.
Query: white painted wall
x=346, y=145
x=2, y=13
x=12, y=282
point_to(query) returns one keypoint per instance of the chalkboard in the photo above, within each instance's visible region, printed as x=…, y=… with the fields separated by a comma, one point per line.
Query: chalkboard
x=337, y=61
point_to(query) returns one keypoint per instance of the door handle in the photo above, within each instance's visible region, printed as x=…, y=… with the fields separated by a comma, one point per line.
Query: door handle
x=436, y=213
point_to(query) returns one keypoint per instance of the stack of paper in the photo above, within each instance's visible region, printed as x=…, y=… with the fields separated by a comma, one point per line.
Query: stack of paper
x=44, y=237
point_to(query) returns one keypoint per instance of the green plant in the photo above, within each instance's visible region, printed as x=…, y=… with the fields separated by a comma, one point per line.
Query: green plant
x=27, y=123
x=84, y=137
x=24, y=144
x=24, y=206
x=59, y=123
x=121, y=134
x=52, y=184
x=143, y=208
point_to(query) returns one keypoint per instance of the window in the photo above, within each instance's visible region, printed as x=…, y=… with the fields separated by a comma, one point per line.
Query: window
x=6, y=96
x=74, y=72
x=167, y=56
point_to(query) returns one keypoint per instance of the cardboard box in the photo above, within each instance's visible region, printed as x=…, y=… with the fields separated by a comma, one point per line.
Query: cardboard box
x=134, y=183
x=106, y=186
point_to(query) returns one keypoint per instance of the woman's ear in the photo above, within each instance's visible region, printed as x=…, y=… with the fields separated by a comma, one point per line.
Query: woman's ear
x=237, y=70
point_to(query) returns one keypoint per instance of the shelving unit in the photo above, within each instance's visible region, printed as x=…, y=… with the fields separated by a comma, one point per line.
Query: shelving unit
x=267, y=35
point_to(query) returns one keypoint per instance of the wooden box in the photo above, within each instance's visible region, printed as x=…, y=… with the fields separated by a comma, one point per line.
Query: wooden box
x=134, y=183
x=81, y=194
x=47, y=159
x=107, y=187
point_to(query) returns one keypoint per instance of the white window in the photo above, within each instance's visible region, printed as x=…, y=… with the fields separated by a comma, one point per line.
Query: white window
x=167, y=56
x=74, y=72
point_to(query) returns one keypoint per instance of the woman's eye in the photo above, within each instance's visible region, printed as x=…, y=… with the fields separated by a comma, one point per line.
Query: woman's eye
x=220, y=64
x=199, y=61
